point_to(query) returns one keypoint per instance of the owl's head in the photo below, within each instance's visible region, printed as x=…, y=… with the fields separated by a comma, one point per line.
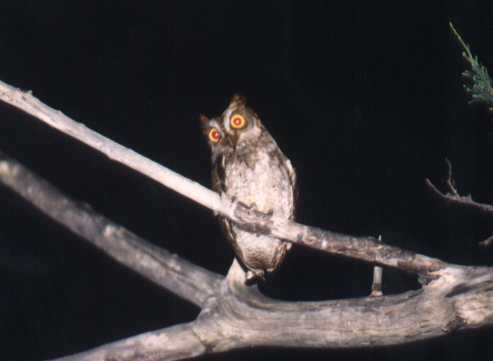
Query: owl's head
x=241, y=124
x=215, y=135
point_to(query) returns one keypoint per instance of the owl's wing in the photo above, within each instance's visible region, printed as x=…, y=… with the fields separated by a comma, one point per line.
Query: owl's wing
x=277, y=152
x=291, y=172
x=292, y=177
x=227, y=227
x=219, y=186
x=218, y=175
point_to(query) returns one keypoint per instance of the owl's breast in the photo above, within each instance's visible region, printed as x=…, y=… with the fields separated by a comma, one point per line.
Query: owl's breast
x=261, y=179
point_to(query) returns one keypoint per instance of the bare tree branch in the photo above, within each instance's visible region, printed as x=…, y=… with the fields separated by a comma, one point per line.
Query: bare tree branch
x=179, y=276
x=460, y=298
x=460, y=201
x=448, y=303
x=452, y=196
x=454, y=199
x=26, y=102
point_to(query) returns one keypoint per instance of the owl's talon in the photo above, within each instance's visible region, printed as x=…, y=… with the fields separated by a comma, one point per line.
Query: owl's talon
x=252, y=209
x=244, y=208
x=254, y=276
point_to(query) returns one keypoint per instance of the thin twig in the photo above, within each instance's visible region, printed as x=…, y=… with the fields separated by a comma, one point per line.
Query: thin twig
x=376, y=285
x=453, y=198
x=458, y=200
x=450, y=179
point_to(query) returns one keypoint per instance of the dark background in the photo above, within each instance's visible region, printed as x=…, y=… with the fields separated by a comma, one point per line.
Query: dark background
x=364, y=97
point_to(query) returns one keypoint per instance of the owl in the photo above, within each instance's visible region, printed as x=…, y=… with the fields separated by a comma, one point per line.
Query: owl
x=248, y=166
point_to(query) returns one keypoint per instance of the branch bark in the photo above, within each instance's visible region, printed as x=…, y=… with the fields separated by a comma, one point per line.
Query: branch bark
x=239, y=316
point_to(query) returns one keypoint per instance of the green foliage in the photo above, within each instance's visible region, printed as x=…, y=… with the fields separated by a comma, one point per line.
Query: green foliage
x=478, y=80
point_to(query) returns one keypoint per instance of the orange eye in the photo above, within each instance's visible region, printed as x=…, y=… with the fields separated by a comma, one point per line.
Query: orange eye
x=237, y=121
x=214, y=135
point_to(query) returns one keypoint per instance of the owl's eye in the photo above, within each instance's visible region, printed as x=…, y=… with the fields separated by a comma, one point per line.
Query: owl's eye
x=214, y=135
x=237, y=121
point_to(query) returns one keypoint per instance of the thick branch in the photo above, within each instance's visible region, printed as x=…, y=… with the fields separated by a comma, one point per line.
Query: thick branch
x=181, y=277
x=364, y=248
x=459, y=298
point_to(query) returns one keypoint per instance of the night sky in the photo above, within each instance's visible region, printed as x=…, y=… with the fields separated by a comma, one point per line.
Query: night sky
x=364, y=97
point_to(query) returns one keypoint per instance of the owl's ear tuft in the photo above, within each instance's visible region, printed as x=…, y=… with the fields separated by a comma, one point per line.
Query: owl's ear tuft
x=238, y=100
x=204, y=121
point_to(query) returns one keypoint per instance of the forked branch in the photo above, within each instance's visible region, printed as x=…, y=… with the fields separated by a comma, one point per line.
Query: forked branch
x=453, y=198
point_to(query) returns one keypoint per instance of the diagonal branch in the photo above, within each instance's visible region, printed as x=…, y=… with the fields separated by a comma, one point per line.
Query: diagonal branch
x=26, y=102
x=364, y=248
x=179, y=276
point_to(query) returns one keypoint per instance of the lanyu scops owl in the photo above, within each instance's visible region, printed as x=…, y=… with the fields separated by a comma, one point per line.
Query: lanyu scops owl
x=248, y=166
